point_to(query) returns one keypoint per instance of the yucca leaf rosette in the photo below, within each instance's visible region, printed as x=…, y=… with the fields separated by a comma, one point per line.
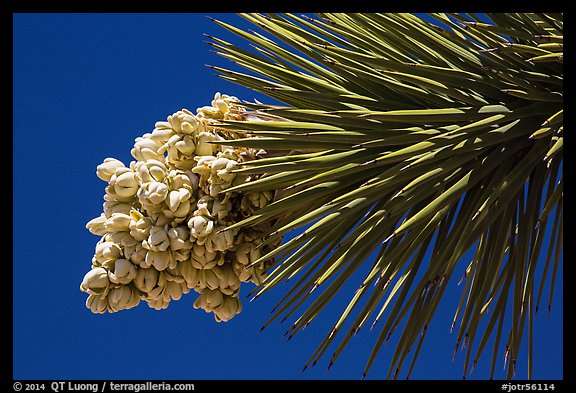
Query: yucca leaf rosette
x=418, y=142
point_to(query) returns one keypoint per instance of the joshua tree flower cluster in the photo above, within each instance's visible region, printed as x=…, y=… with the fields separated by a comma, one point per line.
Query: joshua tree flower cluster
x=164, y=226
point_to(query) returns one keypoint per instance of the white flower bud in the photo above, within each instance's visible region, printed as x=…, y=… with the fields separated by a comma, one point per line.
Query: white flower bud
x=105, y=170
x=95, y=282
x=97, y=226
x=122, y=272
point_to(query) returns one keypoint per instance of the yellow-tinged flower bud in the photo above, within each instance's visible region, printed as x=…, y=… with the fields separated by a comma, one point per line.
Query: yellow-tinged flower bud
x=210, y=112
x=97, y=226
x=96, y=282
x=122, y=271
x=203, y=145
x=105, y=170
x=118, y=222
x=140, y=226
x=221, y=105
x=97, y=304
x=146, y=279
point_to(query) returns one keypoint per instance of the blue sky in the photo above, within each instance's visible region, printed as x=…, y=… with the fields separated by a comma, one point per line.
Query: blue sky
x=85, y=86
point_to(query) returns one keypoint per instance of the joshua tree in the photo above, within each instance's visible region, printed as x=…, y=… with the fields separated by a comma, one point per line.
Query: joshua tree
x=401, y=143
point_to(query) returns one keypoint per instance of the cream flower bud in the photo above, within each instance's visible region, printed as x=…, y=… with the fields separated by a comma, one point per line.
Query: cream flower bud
x=97, y=226
x=203, y=145
x=175, y=290
x=209, y=300
x=123, y=239
x=186, y=145
x=96, y=282
x=183, y=179
x=220, y=241
x=176, y=197
x=242, y=253
x=122, y=298
x=138, y=256
x=244, y=274
x=200, y=226
x=118, y=222
x=203, y=258
x=111, y=207
x=159, y=259
x=220, y=209
x=160, y=135
x=105, y=170
x=157, y=240
x=179, y=238
x=228, y=309
x=122, y=272
x=107, y=251
x=146, y=149
x=126, y=185
x=151, y=170
x=146, y=279
x=190, y=274
x=229, y=282
x=153, y=193
x=211, y=277
x=158, y=304
x=97, y=304
x=210, y=112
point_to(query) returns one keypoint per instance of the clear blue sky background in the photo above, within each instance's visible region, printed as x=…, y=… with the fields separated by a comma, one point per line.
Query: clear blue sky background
x=86, y=85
